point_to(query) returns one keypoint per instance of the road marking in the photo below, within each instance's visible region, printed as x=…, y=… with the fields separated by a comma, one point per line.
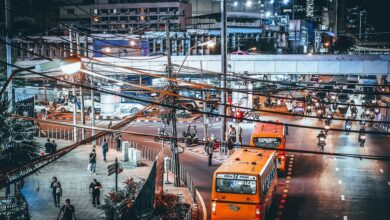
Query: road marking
x=388, y=183
x=342, y=197
x=337, y=169
x=340, y=182
x=381, y=170
x=345, y=217
x=203, y=205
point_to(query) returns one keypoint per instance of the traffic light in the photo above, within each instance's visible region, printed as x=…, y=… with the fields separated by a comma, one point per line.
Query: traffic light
x=239, y=116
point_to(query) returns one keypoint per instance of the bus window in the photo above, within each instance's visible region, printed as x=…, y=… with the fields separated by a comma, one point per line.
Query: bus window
x=266, y=142
x=238, y=185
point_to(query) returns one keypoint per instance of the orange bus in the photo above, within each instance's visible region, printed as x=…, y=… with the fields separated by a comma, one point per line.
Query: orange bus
x=244, y=185
x=271, y=135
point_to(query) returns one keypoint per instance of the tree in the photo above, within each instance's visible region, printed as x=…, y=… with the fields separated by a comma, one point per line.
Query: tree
x=17, y=146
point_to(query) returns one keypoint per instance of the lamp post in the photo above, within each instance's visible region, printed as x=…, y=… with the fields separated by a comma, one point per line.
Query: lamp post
x=360, y=23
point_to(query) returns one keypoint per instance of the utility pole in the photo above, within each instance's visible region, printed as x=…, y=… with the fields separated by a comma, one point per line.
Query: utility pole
x=175, y=152
x=8, y=40
x=73, y=87
x=92, y=109
x=82, y=79
x=223, y=68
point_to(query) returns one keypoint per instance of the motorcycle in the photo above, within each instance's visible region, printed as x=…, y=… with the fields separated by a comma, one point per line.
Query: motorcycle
x=329, y=119
x=321, y=143
x=319, y=113
x=327, y=127
x=348, y=128
x=192, y=139
x=362, y=139
x=353, y=115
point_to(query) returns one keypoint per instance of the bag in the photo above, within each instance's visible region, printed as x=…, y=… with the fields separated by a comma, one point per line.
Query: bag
x=89, y=167
x=58, y=190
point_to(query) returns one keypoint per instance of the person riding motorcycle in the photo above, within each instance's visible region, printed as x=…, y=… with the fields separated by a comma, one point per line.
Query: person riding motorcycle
x=321, y=140
x=348, y=126
x=362, y=136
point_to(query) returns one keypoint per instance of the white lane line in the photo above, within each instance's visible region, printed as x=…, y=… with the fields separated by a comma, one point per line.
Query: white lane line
x=345, y=217
x=203, y=205
x=381, y=170
x=342, y=197
x=337, y=169
x=340, y=182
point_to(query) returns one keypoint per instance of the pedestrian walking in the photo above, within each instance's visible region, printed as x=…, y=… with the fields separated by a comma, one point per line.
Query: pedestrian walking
x=210, y=150
x=95, y=187
x=92, y=162
x=54, y=146
x=118, y=139
x=68, y=210
x=56, y=191
x=240, y=135
x=48, y=147
x=104, y=149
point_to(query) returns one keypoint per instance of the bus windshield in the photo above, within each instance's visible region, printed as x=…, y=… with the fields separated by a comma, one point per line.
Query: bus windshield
x=238, y=184
x=266, y=142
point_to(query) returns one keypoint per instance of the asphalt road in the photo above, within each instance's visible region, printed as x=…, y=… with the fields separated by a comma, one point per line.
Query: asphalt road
x=320, y=187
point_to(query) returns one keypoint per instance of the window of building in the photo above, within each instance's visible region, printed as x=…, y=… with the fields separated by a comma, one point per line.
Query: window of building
x=123, y=18
x=104, y=11
x=104, y=18
x=141, y=10
x=70, y=11
x=123, y=10
x=153, y=10
x=153, y=18
x=133, y=10
x=163, y=10
x=142, y=18
x=133, y=18
x=114, y=19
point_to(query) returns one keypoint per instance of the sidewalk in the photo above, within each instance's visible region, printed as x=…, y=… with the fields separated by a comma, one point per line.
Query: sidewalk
x=71, y=171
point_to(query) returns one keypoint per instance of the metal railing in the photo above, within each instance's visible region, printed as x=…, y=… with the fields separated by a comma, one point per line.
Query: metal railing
x=14, y=207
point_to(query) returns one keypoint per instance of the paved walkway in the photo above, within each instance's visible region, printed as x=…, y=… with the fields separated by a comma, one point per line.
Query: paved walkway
x=71, y=170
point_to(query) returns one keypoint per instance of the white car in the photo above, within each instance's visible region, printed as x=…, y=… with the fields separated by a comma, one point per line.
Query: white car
x=131, y=108
x=68, y=106
x=41, y=107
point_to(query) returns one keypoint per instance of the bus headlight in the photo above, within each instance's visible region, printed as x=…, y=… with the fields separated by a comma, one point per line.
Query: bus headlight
x=214, y=208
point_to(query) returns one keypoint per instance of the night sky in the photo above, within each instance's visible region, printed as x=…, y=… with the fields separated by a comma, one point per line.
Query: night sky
x=378, y=12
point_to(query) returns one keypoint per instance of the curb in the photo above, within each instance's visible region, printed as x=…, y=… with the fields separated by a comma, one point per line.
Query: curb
x=138, y=120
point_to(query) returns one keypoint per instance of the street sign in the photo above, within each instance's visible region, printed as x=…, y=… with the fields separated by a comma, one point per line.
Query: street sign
x=112, y=167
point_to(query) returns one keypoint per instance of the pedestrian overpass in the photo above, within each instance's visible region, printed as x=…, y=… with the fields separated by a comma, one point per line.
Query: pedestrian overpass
x=252, y=64
x=271, y=64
